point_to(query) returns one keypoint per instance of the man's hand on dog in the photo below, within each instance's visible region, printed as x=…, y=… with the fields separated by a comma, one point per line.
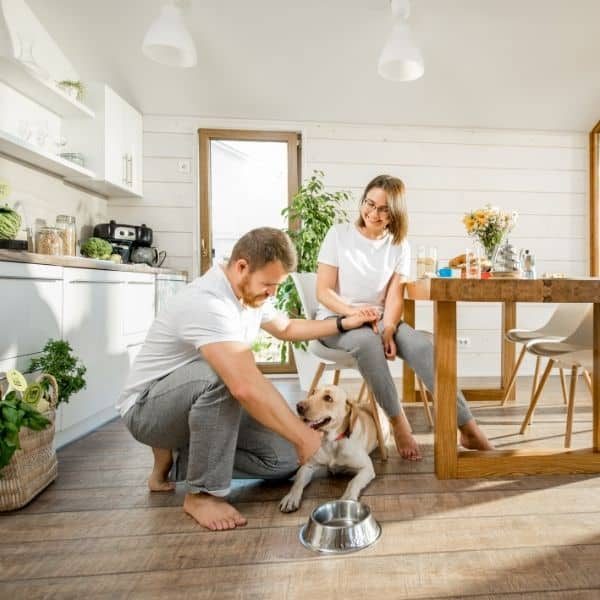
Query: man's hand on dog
x=309, y=444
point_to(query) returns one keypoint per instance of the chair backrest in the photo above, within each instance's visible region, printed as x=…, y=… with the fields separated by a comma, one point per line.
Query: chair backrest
x=583, y=335
x=565, y=319
x=306, y=284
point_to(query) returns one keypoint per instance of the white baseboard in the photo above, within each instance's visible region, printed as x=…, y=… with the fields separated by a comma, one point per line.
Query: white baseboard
x=62, y=438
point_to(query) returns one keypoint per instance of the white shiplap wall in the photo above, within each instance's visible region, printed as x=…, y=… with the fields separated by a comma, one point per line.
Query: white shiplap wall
x=542, y=175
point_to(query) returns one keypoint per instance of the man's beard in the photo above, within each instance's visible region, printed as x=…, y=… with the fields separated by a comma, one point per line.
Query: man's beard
x=251, y=300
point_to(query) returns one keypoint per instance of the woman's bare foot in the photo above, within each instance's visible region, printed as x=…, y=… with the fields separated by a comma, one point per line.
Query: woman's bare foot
x=159, y=478
x=212, y=512
x=405, y=442
x=472, y=438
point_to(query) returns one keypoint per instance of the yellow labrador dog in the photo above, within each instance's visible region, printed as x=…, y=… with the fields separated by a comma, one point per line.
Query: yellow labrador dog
x=350, y=436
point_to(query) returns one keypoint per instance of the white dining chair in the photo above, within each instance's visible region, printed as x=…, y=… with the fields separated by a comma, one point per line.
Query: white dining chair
x=574, y=352
x=563, y=322
x=335, y=360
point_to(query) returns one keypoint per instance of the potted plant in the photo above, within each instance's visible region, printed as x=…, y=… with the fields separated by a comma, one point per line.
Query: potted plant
x=312, y=212
x=56, y=360
x=74, y=89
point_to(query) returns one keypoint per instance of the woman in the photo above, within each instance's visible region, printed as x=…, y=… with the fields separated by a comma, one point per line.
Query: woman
x=365, y=265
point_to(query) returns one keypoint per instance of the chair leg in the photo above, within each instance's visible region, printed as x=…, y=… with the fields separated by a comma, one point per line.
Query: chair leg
x=363, y=387
x=588, y=380
x=536, y=397
x=571, y=405
x=513, y=377
x=536, y=374
x=380, y=438
x=317, y=378
x=423, y=394
x=336, y=377
x=563, y=385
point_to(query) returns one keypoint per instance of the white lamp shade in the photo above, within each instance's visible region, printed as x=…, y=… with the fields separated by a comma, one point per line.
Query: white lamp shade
x=400, y=59
x=168, y=41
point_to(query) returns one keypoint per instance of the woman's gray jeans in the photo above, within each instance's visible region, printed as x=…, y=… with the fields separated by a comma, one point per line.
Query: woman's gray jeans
x=413, y=346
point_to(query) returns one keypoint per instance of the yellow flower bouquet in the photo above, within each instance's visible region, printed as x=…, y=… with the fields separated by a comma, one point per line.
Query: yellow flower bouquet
x=489, y=225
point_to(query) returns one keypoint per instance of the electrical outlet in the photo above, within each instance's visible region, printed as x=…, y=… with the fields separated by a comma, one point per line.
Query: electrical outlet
x=464, y=342
x=183, y=166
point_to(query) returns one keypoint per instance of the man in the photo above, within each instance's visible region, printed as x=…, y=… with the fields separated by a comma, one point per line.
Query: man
x=195, y=387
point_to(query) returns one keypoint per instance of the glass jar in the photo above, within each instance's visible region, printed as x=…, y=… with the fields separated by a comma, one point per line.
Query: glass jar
x=68, y=233
x=426, y=262
x=49, y=241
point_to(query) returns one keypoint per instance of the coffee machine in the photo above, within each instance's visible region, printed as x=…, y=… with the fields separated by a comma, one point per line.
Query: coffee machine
x=124, y=238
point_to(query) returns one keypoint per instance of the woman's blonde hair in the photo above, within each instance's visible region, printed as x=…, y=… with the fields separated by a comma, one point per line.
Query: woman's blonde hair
x=395, y=192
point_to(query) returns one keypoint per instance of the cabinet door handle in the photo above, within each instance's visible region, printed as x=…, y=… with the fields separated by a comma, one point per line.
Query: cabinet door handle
x=18, y=277
x=93, y=281
x=124, y=168
x=130, y=170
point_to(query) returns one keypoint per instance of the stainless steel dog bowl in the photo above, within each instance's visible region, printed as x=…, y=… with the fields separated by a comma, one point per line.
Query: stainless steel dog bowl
x=340, y=526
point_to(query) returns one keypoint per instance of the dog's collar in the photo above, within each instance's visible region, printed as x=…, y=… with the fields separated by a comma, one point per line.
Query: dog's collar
x=343, y=435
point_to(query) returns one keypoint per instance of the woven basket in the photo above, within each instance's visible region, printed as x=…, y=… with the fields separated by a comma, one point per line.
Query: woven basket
x=34, y=466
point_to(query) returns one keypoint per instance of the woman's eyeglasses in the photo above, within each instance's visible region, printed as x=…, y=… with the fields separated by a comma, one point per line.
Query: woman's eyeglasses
x=381, y=210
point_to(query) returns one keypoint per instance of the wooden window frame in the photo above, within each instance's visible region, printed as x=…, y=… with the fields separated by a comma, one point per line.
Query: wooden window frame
x=205, y=137
x=594, y=207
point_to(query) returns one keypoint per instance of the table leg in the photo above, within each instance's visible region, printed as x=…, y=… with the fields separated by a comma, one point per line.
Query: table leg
x=509, y=321
x=445, y=386
x=596, y=381
x=408, y=375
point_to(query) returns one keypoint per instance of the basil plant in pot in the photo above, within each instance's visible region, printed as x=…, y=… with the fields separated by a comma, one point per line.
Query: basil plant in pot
x=311, y=214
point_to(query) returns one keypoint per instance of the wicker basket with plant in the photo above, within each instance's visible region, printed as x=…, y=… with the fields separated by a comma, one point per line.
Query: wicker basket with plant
x=27, y=456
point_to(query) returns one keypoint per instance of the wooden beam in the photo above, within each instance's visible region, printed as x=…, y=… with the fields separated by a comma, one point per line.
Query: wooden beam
x=499, y=463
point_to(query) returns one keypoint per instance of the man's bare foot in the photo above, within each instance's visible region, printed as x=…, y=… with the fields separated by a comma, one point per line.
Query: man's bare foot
x=159, y=478
x=405, y=442
x=472, y=438
x=212, y=512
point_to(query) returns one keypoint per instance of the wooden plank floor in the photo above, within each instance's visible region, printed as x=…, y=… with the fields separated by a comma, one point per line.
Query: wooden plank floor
x=97, y=532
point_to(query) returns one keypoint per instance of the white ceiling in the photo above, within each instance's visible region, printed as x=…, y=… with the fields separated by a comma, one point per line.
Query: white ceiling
x=532, y=64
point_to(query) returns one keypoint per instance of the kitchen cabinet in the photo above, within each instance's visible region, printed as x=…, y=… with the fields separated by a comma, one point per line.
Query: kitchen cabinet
x=93, y=323
x=31, y=302
x=105, y=316
x=30, y=310
x=111, y=143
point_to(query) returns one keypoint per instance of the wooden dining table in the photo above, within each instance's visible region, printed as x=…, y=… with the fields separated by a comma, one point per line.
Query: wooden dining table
x=452, y=463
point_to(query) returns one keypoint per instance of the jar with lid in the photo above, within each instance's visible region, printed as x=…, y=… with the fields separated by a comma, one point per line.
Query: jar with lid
x=49, y=241
x=66, y=225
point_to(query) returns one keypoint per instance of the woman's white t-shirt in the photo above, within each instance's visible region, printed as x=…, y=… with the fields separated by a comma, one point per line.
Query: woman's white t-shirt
x=364, y=266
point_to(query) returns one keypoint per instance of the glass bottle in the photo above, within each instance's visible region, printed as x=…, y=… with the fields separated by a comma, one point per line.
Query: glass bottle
x=49, y=241
x=68, y=233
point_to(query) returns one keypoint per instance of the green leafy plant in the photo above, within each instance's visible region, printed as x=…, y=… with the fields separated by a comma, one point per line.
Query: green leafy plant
x=74, y=85
x=56, y=359
x=312, y=212
x=14, y=414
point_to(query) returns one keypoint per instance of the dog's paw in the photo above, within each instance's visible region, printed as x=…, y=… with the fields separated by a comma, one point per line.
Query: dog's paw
x=349, y=496
x=290, y=503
